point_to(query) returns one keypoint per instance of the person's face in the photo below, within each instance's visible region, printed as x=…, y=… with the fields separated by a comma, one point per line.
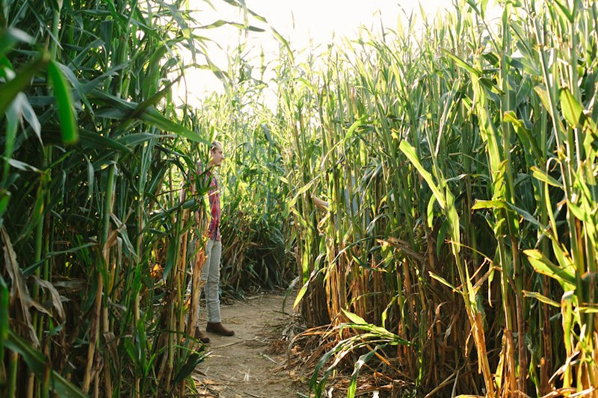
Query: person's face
x=217, y=156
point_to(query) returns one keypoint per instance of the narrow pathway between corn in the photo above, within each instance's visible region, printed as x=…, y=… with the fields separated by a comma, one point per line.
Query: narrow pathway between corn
x=250, y=363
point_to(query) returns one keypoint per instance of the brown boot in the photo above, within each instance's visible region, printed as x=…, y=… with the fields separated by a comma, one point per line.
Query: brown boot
x=200, y=336
x=216, y=327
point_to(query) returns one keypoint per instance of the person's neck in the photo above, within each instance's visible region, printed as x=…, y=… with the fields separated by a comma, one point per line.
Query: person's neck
x=211, y=167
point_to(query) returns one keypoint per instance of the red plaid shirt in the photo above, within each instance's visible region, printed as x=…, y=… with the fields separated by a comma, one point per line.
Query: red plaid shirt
x=214, y=198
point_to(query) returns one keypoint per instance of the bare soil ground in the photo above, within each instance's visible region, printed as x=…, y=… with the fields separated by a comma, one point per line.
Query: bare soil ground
x=250, y=363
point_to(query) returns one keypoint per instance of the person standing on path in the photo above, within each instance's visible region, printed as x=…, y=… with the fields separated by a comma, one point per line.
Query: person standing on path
x=210, y=273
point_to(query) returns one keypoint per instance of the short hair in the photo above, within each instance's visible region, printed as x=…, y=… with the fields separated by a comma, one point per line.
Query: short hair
x=215, y=144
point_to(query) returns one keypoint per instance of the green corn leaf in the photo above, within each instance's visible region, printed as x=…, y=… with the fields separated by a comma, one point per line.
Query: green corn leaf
x=441, y=237
x=31, y=269
x=94, y=140
x=430, y=211
x=545, y=178
x=489, y=204
x=453, y=218
x=463, y=64
x=563, y=258
x=544, y=98
x=443, y=281
x=301, y=191
x=219, y=73
x=352, y=129
x=170, y=259
x=11, y=36
x=285, y=43
x=546, y=267
x=4, y=200
x=237, y=25
x=215, y=24
x=149, y=115
x=18, y=110
x=358, y=365
x=29, y=114
x=564, y=9
x=4, y=296
x=541, y=298
x=156, y=119
x=192, y=361
x=501, y=204
x=526, y=216
x=300, y=295
x=524, y=134
x=584, y=213
x=12, y=125
x=409, y=151
x=128, y=246
x=154, y=99
x=9, y=90
x=66, y=110
x=356, y=319
x=132, y=140
x=129, y=348
x=572, y=111
x=591, y=135
x=376, y=332
x=38, y=363
x=313, y=383
x=17, y=164
x=483, y=7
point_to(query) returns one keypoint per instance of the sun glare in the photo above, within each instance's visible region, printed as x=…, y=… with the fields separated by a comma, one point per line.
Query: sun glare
x=305, y=24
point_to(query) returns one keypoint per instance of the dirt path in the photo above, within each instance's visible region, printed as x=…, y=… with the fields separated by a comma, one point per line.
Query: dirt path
x=249, y=364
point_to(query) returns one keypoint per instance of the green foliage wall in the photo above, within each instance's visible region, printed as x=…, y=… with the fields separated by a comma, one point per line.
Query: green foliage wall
x=94, y=222
x=458, y=162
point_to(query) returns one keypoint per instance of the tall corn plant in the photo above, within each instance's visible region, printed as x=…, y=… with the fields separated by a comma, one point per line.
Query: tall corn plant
x=92, y=219
x=374, y=234
x=255, y=253
x=296, y=121
x=254, y=217
x=472, y=133
x=516, y=118
x=569, y=102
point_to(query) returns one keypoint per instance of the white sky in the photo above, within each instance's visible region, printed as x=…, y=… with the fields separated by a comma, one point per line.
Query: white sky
x=318, y=19
x=302, y=22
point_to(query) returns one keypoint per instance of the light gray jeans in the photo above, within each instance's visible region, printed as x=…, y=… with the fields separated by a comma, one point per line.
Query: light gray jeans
x=210, y=275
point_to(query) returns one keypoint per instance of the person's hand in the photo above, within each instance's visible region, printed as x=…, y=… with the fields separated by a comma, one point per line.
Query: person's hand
x=320, y=203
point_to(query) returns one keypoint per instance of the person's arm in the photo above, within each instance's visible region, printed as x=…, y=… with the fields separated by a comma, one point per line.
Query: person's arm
x=320, y=204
